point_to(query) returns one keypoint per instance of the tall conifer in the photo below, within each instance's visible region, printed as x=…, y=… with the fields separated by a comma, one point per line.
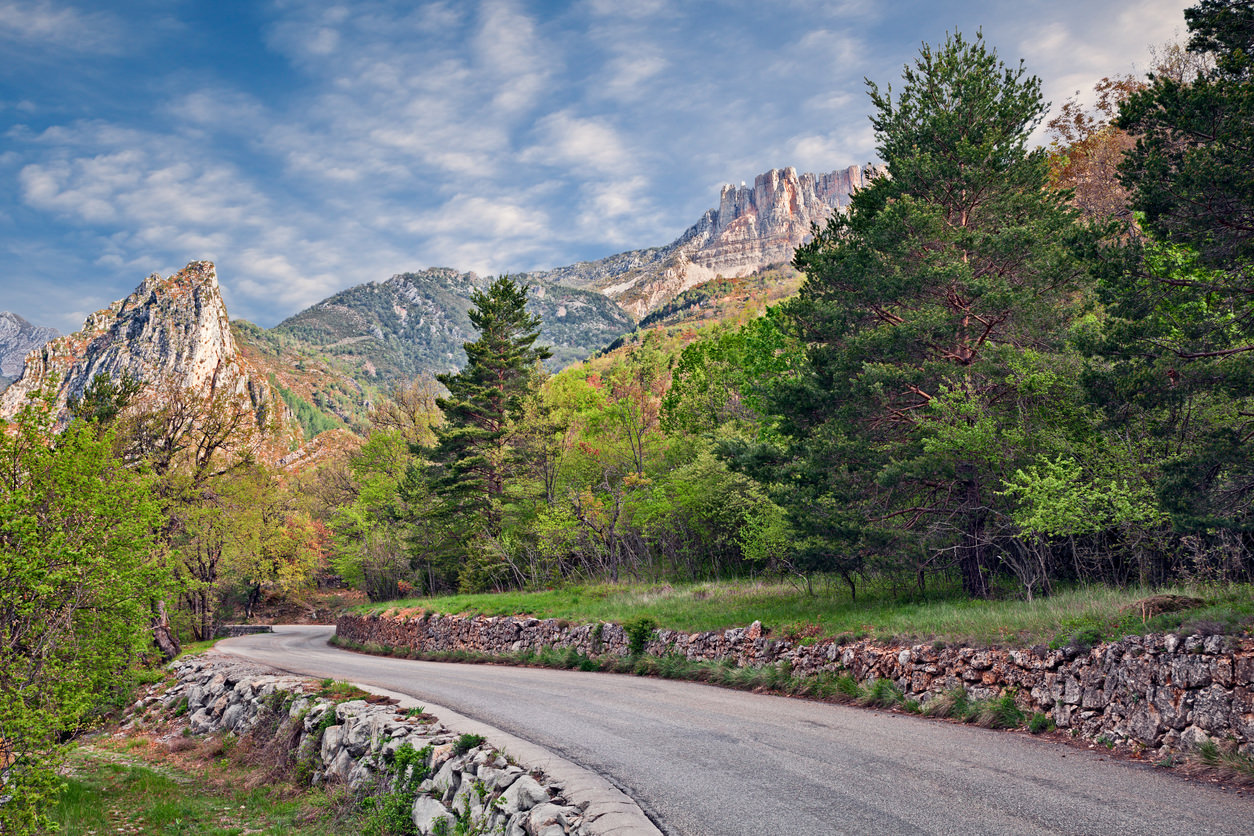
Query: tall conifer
x=473, y=457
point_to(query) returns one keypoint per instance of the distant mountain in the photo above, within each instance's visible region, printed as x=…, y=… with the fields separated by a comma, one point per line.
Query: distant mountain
x=173, y=336
x=17, y=339
x=417, y=323
x=751, y=229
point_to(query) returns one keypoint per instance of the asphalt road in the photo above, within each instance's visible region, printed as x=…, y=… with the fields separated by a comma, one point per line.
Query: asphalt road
x=705, y=760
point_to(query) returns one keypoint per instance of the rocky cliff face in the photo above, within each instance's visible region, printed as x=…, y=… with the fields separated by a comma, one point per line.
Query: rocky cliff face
x=171, y=334
x=17, y=339
x=753, y=227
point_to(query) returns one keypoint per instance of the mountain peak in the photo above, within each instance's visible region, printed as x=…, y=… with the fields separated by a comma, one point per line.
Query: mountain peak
x=172, y=334
x=751, y=228
x=18, y=338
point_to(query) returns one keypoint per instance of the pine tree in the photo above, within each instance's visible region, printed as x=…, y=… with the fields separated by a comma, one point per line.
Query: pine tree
x=473, y=458
x=931, y=311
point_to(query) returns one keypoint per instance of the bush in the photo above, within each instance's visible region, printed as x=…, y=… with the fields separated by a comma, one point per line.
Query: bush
x=1039, y=722
x=467, y=742
x=639, y=632
x=954, y=704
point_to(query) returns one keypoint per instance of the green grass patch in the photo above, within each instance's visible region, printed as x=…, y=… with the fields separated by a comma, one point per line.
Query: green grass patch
x=1225, y=763
x=192, y=648
x=106, y=795
x=1086, y=613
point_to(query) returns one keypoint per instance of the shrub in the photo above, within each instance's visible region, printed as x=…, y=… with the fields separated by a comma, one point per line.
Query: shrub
x=847, y=687
x=1039, y=722
x=639, y=632
x=1230, y=764
x=467, y=742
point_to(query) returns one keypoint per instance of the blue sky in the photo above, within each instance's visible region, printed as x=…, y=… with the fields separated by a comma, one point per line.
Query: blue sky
x=310, y=146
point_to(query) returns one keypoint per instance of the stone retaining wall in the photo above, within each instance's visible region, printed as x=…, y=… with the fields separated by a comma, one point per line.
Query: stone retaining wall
x=356, y=741
x=1161, y=694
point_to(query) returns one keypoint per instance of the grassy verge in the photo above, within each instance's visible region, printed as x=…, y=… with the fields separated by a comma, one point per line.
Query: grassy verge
x=140, y=786
x=789, y=612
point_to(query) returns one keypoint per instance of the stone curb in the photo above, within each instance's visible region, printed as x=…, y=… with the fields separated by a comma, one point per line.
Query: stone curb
x=609, y=810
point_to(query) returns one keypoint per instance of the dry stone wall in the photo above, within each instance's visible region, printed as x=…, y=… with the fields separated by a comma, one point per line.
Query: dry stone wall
x=1161, y=694
x=356, y=742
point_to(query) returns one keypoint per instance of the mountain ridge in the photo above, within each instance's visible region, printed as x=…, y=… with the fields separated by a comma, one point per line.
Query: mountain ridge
x=750, y=229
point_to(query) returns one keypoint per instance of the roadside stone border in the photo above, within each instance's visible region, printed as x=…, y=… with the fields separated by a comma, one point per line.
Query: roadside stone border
x=355, y=742
x=1157, y=695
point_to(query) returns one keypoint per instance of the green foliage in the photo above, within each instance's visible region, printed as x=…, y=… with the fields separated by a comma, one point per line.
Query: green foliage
x=474, y=458
x=312, y=420
x=639, y=632
x=79, y=573
x=1039, y=723
x=389, y=814
x=932, y=311
x=997, y=713
x=880, y=693
x=104, y=399
x=1226, y=762
x=465, y=742
x=955, y=704
x=1190, y=172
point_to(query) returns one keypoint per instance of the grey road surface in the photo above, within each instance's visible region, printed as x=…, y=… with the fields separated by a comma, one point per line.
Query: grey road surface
x=704, y=760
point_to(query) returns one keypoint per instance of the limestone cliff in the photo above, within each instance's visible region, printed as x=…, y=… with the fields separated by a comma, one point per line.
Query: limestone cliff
x=172, y=334
x=17, y=339
x=751, y=228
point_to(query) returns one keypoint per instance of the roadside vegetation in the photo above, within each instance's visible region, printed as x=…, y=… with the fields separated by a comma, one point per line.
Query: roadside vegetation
x=882, y=613
x=211, y=785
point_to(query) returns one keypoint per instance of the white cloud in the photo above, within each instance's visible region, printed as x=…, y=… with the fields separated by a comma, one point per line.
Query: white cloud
x=587, y=144
x=512, y=55
x=62, y=26
x=628, y=76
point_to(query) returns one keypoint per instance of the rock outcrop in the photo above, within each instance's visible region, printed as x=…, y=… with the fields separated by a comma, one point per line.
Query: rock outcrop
x=751, y=228
x=17, y=339
x=172, y=335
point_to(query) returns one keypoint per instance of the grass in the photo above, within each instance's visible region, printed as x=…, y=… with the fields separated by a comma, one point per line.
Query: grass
x=878, y=613
x=1225, y=763
x=144, y=791
x=192, y=648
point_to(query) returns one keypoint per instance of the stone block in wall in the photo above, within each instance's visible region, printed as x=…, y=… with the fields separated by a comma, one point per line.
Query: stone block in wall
x=1212, y=710
x=1190, y=671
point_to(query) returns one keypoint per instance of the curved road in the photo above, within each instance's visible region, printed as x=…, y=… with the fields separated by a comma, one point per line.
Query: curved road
x=704, y=760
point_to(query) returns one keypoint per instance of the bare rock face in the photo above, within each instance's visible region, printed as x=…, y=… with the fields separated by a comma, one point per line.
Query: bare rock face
x=753, y=227
x=18, y=338
x=171, y=334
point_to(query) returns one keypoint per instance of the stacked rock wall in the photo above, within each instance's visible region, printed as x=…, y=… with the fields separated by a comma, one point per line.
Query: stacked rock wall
x=356, y=742
x=1161, y=693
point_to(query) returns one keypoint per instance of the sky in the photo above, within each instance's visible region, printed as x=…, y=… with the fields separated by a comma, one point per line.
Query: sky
x=308, y=146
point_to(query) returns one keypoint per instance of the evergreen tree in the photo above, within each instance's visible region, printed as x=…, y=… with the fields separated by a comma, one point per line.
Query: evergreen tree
x=932, y=312
x=473, y=458
x=1177, y=346
x=1192, y=170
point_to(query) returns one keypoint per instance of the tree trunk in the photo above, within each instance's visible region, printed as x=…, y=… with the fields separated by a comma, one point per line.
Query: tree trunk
x=162, y=635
